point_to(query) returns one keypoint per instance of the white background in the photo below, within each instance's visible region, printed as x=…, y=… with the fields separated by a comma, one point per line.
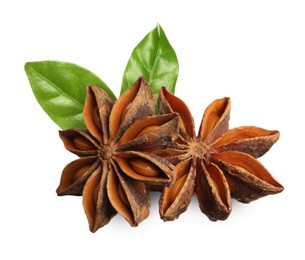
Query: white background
x=252, y=51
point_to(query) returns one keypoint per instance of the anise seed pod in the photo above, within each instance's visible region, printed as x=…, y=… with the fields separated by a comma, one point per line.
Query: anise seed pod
x=116, y=161
x=217, y=164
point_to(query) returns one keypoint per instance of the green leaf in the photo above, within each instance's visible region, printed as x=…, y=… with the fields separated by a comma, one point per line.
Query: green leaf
x=154, y=58
x=60, y=89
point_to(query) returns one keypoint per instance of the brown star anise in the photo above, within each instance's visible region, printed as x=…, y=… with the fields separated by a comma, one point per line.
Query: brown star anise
x=116, y=162
x=217, y=164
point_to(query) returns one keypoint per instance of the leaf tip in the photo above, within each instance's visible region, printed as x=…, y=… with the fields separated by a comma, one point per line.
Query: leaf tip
x=27, y=65
x=159, y=29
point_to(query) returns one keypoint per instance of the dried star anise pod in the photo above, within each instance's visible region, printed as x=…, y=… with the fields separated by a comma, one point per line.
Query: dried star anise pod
x=217, y=164
x=116, y=163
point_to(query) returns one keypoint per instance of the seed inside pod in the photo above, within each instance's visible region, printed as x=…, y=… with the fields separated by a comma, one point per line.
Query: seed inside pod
x=80, y=172
x=144, y=167
x=177, y=187
x=181, y=123
x=82, y=144
x=146, y=130
x=96, y=118
x=210, y=126
x=122, y=194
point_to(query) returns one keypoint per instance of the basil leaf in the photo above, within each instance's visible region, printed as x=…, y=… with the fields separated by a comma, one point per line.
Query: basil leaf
x=154, y=58
x=60, y=89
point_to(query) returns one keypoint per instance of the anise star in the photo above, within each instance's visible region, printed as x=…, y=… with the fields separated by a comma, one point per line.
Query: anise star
x=116, y=162
x=217, y=164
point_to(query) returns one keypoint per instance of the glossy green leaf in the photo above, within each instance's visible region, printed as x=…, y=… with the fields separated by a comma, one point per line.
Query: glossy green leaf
x=60, y=89
x=154, y=58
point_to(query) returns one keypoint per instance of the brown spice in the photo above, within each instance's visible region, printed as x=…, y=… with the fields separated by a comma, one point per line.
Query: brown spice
x=217, y=164
x=116, y=163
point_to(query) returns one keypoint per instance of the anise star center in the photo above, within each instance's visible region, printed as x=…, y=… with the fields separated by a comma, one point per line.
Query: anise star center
x=199, y=150
x=105, y=152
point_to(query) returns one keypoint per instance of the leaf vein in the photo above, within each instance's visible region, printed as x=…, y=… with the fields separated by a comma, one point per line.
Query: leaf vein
x=55, y=87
